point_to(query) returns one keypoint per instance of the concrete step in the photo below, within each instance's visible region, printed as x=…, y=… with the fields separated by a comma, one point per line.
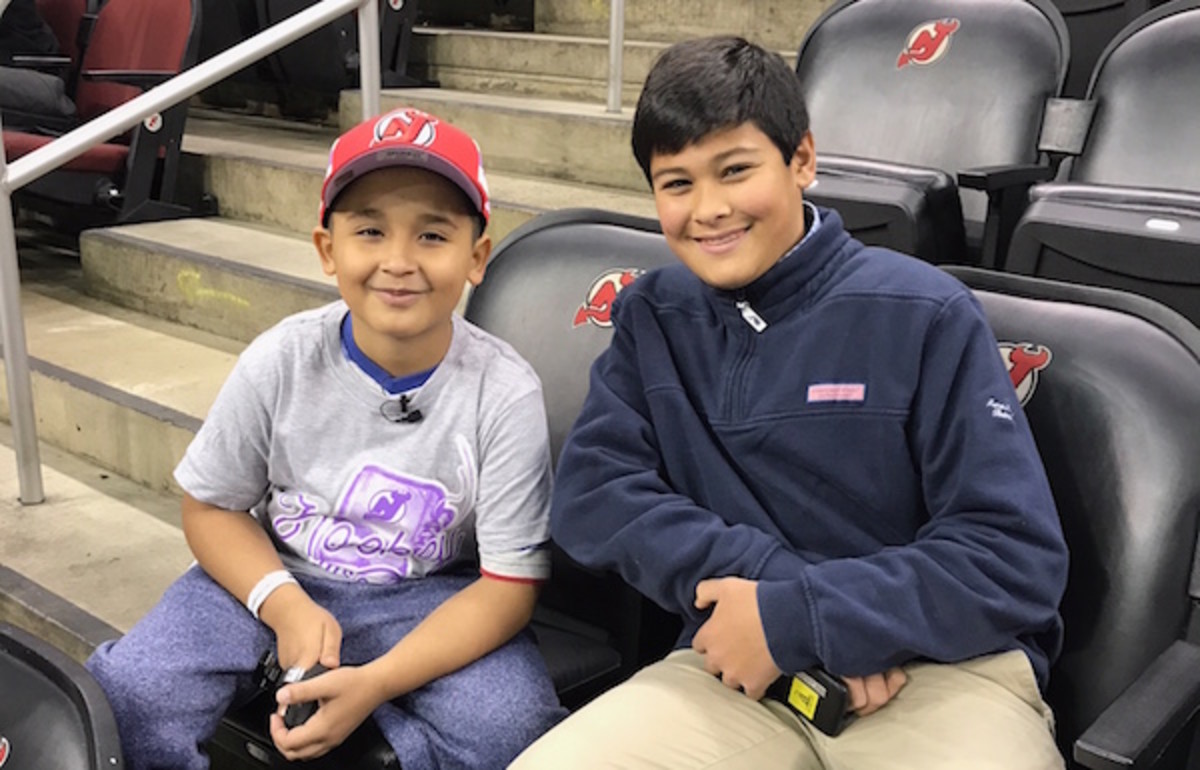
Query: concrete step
x=565, y=140
x=86, y=564
x=269, y=172
x=121, y=389
x=224, y=277
x=528, y=64
x=565, y=67
x=778, y=24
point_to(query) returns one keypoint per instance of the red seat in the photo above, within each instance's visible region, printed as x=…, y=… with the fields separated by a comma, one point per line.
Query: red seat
x=104, y=159
x=133, y=46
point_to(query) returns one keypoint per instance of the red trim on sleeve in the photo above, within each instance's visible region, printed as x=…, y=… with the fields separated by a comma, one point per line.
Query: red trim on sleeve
x=510, y=579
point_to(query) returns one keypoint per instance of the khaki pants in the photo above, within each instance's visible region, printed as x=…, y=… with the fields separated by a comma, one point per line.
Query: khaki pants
x=983, y=713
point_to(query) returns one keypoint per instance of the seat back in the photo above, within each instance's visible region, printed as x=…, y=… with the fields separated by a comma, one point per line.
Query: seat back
x=63, y=17
x=52, y=713
x=1125, y=213
x=1092, y=24
x=1110, y=383
x=148, y=35
x=549, y=291
x=1147, y=116
x=325, y=62
x=941, y=84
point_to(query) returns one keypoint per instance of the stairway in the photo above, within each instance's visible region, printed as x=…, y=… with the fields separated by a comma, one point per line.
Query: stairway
x=131, y=340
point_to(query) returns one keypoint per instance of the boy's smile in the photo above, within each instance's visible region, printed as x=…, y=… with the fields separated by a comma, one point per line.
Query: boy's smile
x=402, y=245
x=729, y=206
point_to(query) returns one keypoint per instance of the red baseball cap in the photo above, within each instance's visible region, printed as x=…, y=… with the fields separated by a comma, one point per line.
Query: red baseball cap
x=406, y=137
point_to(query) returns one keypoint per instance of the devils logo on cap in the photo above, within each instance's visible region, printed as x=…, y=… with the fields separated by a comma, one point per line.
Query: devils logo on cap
x=406, y=126
x=597, y=307
x=928, y=42
x=1024, y=361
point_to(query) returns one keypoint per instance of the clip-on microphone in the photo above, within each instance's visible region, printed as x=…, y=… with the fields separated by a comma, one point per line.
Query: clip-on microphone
x=398, y=411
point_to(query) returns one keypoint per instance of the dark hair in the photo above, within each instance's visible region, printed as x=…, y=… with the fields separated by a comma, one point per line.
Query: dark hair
x=700, y=86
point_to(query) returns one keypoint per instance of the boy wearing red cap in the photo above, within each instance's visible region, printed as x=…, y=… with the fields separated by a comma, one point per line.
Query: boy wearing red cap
x=368, y=493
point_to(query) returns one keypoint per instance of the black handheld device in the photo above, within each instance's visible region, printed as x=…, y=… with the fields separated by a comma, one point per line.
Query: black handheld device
x=816, y=696
x=271, y=676
x=299, y=713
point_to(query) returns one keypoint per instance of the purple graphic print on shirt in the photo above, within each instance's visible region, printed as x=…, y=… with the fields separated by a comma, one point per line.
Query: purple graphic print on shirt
x=383, y=524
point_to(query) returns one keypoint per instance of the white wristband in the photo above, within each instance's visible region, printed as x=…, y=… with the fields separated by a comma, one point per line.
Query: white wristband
x=265, y=588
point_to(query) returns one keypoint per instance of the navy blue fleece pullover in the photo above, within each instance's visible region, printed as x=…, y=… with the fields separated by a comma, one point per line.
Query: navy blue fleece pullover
x=864, y=457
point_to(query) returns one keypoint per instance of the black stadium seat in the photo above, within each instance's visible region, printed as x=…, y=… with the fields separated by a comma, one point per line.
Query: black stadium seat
x=1091, y=25
x=53, y=714
x=327, y=60
x=548, y=291
x=1113, y=399
x=1110, y=382
x=905, y=96
x=1125, y=213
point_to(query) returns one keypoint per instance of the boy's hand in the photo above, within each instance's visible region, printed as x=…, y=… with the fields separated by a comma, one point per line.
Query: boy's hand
x=732, y=640
x=305, y=632
x=868, y=694
x=346, y=697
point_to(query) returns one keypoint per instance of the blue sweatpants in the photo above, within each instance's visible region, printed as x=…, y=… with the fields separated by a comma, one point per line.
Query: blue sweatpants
x=177, y=671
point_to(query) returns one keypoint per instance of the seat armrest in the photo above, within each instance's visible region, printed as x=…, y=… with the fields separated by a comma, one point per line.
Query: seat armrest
x=1136, y=728
x=1007, y=189
x=997, y=178
x=39, y=62
x=143, y=79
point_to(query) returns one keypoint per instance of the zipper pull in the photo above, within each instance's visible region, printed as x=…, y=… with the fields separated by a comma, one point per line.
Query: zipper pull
x=749, y=316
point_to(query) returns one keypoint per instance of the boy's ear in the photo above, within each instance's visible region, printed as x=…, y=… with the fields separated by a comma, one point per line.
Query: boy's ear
x=804, y=162
x=479, y=258
x=323, y=240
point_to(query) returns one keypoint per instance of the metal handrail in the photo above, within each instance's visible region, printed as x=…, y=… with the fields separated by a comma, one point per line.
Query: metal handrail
x=45, y=159
x=616, y=53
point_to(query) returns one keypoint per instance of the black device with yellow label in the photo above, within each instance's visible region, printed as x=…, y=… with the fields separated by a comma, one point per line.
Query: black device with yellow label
x=816, y=696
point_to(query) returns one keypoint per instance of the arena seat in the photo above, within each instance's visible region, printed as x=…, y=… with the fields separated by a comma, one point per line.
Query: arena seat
x=52, y=713
x=1091, y=25
x=909, y=101
x=135, y=44
x=1125, y=212
x=548, y=291
x=325, y=62
x=71, y=21
x=1113, y=398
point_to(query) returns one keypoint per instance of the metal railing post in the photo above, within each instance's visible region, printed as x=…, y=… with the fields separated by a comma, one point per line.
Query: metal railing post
x=370, y=78
x=616, y=53
x=16, y=356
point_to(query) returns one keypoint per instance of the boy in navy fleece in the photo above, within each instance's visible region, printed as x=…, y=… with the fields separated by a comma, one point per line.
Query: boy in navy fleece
x=812, y=452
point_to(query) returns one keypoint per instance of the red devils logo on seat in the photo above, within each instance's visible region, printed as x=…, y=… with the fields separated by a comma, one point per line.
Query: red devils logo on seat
x=3, y=750
x=928, y=42
x=597, y=308
x=407, y=126
x=1025, y=361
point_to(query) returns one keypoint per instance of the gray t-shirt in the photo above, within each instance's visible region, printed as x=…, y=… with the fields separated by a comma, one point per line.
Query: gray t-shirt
x=298, y=434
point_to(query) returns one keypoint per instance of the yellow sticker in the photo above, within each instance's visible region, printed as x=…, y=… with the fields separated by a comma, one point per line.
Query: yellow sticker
x=803, y=698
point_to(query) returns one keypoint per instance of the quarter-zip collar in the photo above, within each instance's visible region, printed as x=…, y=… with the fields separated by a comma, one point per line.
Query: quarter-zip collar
x=795, y=280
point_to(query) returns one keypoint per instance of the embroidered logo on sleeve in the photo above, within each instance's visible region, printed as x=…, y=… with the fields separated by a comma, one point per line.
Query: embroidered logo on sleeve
x=831, y=392
x=1000, y=410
